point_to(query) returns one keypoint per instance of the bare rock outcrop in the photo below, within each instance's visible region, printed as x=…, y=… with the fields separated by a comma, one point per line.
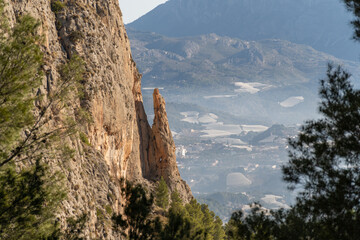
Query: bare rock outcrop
x=123, y=145
x=162, y=161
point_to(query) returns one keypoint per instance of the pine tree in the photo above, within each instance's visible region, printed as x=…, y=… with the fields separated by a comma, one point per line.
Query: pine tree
x=196, y=217
x=30, y=192
x=23, y=193
x=324, y=162
x=162, y=194
x=324, y=167
x=135, y=223
x=20, y=72
x=178, y=226
x=219, y=231
x=208, y=222
x=354, y=6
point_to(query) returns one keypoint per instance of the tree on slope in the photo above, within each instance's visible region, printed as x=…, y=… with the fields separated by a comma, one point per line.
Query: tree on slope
x=162, y=194
x=30, y=192
x=136, y=222
x=192, y=221
x=23, y=193
x=324, y=167
x=324, y=162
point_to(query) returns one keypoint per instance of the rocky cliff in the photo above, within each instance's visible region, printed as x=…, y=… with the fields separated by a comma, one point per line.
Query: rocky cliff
x=123, y=145
x=162, y=152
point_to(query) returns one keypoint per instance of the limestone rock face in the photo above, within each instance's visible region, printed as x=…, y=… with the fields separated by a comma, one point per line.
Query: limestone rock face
x=163, y=157
x=164, y=147
x=123, y=145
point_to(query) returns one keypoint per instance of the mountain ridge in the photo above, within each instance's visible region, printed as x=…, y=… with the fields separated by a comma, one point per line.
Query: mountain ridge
x=217, y=53
x=322, y=24
x=216, y=72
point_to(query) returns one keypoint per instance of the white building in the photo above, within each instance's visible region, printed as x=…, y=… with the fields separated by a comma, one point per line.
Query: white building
x=181, y=151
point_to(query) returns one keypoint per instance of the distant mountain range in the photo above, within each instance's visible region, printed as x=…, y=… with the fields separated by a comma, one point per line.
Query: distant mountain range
x=322, y=24
x=211, y=60
x=276, y=78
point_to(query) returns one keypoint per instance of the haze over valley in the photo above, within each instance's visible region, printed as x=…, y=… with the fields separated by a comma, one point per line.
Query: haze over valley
x=238, y=87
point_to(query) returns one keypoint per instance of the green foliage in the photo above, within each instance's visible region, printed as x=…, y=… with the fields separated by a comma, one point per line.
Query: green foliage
x=37, y=139
x=325, y=161
x=354, y=7
x=30, y=192
x=257, y=225
x=219, y=232
x=135, y=223
x=24, y=192
x=235, y=228
x=100, y=214
x=23, y=196
x=57, y=6
x=196, y=218
x=20, y=62
x=66, y=152
x=217, y=202
x=289, y=224
x=178, y=226
x=71, y=75
x=108, y=209
x=74, y=229
x=84, y=139
x=192, y=221
x=162, y=194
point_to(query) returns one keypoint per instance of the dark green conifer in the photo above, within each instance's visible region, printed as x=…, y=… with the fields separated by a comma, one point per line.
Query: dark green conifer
x=135, y=223
x=325, y=161
x=30, y=192
x=162, y=194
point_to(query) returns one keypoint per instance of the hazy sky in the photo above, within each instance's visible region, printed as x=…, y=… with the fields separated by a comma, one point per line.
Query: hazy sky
x=133, y=9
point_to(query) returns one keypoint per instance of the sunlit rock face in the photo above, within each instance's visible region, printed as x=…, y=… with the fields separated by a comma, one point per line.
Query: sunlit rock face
x=118, y=131
x=163, y=158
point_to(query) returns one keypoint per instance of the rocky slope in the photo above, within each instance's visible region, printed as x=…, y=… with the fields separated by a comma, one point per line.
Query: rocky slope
x=123, y=146
x=322, y=24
